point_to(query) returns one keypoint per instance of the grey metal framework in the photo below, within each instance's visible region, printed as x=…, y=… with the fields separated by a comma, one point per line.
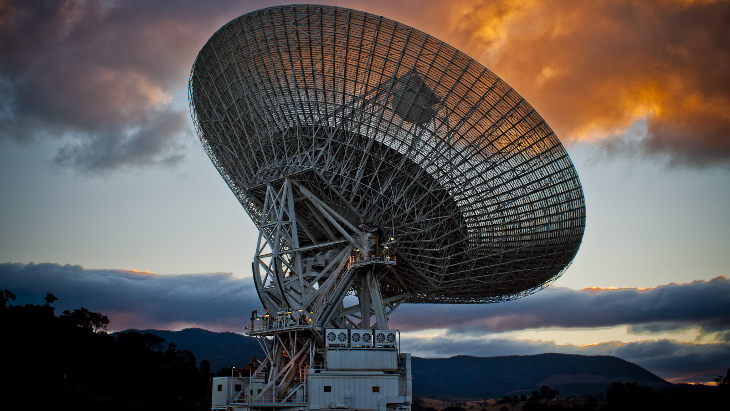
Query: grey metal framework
x=377, y=163
x=331, y=125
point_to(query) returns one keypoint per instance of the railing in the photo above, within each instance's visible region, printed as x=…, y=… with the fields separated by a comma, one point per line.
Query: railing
x=283, y=321
x=359, y=261
x=243, y=397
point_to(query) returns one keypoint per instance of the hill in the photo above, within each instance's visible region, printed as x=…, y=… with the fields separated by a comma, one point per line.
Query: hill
x=455, y=377
x=494, y=377
x=223, y=350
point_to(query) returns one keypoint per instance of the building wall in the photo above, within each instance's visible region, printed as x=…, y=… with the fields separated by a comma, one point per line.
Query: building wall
x=362, y=359
x=350, y=389
x=221, y=390
x=228, y=389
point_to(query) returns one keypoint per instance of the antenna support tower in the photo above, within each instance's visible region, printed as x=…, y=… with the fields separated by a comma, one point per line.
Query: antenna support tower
x=381, y=166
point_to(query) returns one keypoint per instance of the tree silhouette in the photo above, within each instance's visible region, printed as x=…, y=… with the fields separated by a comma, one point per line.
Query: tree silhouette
x=723, y=381
x=50, y=299
x=631, y=396
x=88, y=370
x=547, y=393
x=5, y=296
x=83, y=318
x=205, y=367
x=538, y=398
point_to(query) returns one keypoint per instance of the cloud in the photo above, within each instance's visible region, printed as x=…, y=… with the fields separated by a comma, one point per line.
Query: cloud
x=219, y=299
x=220, y=302
x=594, y=68
x=131, y=299
x=154, y=140
x=100, y=76
x=670, y=307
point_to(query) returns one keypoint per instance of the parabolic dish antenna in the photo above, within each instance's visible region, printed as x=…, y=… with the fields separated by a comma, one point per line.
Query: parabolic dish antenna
x=381, y=163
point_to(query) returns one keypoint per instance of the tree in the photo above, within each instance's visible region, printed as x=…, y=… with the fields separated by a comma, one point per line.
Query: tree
x=83, y=318
x=592, y=403
x=98, y=321
x=50, y=299
x=631, y=396
x=547, y=393
x=5, y=296
x=170, y=352
x=723, y=381
x=75, y=363
x=205, y=368
x=616, y=392
x=186, y=357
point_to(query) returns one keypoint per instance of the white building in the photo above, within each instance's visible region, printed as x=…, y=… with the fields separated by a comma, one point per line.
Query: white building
x=354, y=375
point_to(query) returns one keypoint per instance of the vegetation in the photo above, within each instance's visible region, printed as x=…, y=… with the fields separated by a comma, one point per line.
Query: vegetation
x=70, y=360
x=621, y=396
x=723, y=381
x=632, y=396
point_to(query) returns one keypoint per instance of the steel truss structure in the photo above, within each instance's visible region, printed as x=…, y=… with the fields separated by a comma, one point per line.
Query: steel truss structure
x=304, y=287
x=379, y=163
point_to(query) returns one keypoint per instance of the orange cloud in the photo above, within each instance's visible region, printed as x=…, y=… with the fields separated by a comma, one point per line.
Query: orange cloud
x=599, y=289
x=595, y=68
x=133, y=271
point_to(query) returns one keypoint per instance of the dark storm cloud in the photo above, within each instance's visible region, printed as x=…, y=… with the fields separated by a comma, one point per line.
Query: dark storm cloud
x=131, y=299
x=221, y=299
x=115, y=148
x=675, y=306
x=100, y=76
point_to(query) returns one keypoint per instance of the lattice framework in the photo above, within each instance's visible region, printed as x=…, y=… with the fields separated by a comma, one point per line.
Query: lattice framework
x=392, y=129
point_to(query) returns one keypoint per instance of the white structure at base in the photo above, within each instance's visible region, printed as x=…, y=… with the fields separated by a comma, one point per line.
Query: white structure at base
x=324, y=321
x=350, y=379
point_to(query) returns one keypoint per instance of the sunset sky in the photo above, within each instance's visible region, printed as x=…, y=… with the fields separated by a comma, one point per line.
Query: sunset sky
x=108, y=200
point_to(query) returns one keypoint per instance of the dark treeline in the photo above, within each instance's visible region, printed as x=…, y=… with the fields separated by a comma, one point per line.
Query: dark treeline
x=67, y=359
x=620, y=397
x=632, y=396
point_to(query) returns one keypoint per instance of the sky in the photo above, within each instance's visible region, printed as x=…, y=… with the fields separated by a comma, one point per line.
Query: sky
x=108, y=200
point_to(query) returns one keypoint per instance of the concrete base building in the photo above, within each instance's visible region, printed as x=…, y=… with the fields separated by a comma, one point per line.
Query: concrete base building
x=350, y=378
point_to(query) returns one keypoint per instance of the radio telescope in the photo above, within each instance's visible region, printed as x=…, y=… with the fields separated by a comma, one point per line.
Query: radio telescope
x=381, y=166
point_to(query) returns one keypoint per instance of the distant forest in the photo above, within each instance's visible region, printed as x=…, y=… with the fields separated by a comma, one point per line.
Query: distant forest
x=67, y=359
x=53, y=360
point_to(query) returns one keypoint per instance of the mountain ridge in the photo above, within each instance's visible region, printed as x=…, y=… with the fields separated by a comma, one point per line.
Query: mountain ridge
x=459, y=376
x=493, y=377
